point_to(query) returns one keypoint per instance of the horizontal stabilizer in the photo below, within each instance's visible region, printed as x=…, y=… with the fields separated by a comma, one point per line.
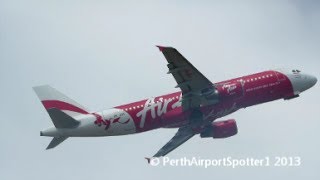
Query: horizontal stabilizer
x=56, y=141
x=61, y=119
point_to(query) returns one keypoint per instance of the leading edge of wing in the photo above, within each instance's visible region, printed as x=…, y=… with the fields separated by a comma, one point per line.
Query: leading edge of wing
x=195, y=87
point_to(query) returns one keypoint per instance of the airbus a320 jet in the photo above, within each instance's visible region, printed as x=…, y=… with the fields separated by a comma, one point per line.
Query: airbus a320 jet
x=193, y=110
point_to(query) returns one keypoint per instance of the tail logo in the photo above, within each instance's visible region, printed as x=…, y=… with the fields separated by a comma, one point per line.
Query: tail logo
x=99, y=121
x=48, y=104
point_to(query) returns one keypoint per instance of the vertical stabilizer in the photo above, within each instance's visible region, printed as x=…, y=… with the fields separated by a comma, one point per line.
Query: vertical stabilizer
x=51, y=98
x=61, y=109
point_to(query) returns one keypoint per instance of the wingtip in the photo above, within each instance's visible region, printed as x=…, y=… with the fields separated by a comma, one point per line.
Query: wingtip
x=148, y=159
x=161, y=48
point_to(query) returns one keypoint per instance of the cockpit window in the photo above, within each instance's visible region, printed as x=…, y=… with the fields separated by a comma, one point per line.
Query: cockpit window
x=296, y=71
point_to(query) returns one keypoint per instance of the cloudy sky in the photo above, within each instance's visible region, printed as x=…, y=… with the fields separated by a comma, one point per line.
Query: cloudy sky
x=102, y=54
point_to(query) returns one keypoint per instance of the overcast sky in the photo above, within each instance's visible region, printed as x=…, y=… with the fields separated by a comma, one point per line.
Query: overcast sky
x=102, y=54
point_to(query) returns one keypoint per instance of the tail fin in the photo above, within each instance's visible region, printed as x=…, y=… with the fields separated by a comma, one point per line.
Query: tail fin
x=51, y=98
x=60, y=120
x=62, y=110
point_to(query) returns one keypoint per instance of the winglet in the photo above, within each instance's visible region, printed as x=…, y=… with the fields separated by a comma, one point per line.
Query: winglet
x=148, y=159
x=161, y=48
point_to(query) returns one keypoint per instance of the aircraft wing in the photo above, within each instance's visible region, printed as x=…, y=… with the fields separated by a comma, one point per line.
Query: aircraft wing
x=183, y=135
x=196, y=88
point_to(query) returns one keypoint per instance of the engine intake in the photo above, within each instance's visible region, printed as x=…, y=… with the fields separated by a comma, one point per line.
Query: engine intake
x=220, y=129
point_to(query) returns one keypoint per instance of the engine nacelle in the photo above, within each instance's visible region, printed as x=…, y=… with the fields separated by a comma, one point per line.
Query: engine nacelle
x=220, y=129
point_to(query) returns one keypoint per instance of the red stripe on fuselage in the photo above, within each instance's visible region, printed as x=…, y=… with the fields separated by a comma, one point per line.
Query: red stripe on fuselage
x=48, y=104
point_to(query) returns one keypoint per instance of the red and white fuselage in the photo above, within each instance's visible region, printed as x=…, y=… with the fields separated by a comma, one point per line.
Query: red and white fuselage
x=166, y=112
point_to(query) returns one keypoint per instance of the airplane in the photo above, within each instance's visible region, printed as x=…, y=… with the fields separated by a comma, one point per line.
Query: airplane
x=193, y=109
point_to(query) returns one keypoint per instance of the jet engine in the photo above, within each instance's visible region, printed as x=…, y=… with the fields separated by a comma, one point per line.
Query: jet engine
x=220, y=129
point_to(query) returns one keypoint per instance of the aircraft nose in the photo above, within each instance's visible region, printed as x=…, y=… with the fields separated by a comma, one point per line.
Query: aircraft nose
x=312, y=80
x=301, y=81
x=306, y=82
